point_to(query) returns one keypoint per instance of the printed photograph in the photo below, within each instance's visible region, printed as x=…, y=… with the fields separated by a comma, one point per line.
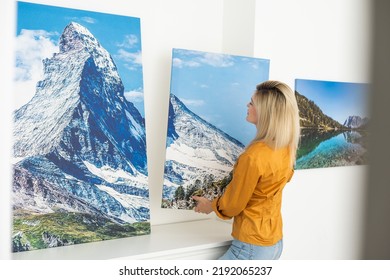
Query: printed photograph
x=207, y=127
x=79, y=149
x=334, y=121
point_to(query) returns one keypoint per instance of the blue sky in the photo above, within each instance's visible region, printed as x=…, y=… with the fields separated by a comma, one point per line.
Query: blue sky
x=217, y=87
x=39, y=28
x=339, y=100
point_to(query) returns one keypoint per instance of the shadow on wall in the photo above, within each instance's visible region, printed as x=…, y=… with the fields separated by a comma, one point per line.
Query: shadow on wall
x=376, y=242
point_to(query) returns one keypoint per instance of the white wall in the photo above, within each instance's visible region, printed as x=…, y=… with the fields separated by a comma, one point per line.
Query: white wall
x=323, y=39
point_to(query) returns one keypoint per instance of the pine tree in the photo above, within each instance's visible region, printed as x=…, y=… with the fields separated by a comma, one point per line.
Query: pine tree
x=179, y=193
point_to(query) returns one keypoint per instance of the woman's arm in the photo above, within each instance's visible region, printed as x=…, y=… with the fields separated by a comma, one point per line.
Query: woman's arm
x=237, y=194
x=246, y=175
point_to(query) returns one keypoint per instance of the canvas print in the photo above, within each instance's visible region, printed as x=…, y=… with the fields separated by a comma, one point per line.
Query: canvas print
x=207, y=127
x=79, y=151
x=334, y=121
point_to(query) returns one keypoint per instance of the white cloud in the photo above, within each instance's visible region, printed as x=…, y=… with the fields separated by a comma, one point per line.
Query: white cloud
x=192, y=63
x=179, y=63
x=217, y=60
x=134, y=96
x=255, y=65
x=84, y=19
x=192, y=102
x=88, y=20
x=31, y=47
x=134, y=60
x=197, y=59
x=129, y=42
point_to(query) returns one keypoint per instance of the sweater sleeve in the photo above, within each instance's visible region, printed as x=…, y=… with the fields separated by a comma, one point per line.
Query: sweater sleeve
x=246, y=175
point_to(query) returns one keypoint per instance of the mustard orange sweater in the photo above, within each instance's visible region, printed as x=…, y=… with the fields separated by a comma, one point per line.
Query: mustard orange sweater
x=254, y=196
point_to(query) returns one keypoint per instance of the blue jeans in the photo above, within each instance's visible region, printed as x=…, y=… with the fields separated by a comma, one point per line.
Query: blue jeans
x=244, y=251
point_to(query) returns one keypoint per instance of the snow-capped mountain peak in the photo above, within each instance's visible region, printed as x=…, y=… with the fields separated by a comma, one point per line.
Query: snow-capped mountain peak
x=77, y=37
x=195, y=148
x=355, y=122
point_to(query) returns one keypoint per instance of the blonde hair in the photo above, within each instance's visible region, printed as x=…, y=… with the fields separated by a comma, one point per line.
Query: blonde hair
x=277, y=116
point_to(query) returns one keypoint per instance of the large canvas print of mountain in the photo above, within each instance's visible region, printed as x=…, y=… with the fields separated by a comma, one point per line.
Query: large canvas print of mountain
x=80, y=166
x=207, y=128
x=334, y=120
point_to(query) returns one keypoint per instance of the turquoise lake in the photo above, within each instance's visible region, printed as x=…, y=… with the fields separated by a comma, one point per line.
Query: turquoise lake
x=319, y=148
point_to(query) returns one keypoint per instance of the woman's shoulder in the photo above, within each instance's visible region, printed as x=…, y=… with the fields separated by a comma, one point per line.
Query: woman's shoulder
x=261, y=149
x=255, y=150
x=257, y=146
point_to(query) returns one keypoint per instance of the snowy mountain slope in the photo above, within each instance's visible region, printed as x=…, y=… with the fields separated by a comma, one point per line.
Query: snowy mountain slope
x=78, y=123
x=354, y=122
x=195, y=148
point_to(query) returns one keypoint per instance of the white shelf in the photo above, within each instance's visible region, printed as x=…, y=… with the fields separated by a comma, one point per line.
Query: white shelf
x=205, y=239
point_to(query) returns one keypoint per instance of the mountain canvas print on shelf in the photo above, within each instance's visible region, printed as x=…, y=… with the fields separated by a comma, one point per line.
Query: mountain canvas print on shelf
x=334, y=122
x=80, y=167
x=207, y=128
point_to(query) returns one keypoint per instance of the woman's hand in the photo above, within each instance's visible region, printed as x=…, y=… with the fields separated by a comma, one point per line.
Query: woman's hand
x=203, y=205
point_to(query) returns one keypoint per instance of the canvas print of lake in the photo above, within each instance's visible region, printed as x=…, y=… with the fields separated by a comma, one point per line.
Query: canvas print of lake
x=79, y=151
x=207, y=129
x=334, y=121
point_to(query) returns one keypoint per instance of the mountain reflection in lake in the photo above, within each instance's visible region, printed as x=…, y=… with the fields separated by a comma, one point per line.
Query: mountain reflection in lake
x=319, y=148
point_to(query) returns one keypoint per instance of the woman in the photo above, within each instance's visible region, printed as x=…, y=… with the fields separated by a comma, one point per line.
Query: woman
x=254, y=195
